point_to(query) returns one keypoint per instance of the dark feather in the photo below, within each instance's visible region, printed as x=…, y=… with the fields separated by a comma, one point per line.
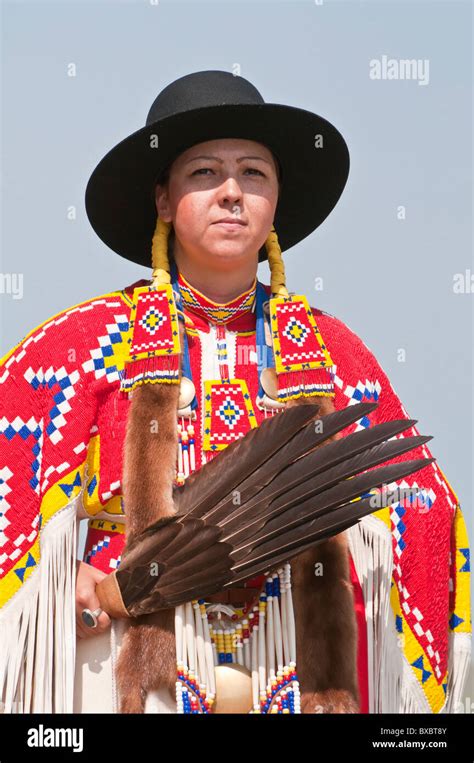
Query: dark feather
x=263, y=442
x=322, y=506
x=274, y=438
x=292, y=496
x=291, y=464
x=317, y=474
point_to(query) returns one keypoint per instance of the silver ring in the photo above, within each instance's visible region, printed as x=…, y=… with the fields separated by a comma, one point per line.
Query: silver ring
x=91, y=618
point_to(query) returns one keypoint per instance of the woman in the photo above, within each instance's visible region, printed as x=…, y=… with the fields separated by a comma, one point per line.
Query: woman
x=378, y=636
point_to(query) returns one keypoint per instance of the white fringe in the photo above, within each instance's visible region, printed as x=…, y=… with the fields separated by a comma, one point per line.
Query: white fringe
x=393, y=687
x=268, y=653
x=38, y=626
x=459, y=661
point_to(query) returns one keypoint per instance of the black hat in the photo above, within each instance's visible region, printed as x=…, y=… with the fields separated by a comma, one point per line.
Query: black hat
x=202, y=106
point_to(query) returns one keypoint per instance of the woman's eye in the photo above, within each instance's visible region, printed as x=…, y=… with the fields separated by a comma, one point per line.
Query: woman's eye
x=205, y=169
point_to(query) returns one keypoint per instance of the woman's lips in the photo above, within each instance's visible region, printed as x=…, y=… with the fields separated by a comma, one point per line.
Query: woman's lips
x=230, y=226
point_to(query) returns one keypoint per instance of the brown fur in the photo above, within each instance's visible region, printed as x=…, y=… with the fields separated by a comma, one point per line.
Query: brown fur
x=326, y=628
x=147, y=659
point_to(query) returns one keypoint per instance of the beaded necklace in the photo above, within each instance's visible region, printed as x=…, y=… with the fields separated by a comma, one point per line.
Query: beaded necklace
x=224, y=399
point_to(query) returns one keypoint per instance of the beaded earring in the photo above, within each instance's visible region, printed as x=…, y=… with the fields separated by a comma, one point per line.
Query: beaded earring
x=153, y=336
x=302, y=364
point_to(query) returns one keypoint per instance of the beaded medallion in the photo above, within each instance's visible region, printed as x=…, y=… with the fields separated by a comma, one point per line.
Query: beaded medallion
x=152, y=338
x=228, y=412
x=302, y=361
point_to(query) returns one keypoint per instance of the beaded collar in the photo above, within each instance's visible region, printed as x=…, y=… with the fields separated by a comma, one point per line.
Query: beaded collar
x=214, y=312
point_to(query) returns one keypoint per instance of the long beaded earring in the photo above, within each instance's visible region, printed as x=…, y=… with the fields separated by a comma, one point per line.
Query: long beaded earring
x=302, y=361
x=161, y=274
x=153, y=336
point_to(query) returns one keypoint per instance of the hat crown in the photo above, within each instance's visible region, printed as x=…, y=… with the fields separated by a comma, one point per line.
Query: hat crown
x=201, y=90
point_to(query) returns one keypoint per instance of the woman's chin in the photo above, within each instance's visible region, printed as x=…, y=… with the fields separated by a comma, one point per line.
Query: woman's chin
x=227, y=254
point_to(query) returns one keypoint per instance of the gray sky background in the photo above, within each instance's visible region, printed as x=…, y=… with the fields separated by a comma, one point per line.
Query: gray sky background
x=390, y=280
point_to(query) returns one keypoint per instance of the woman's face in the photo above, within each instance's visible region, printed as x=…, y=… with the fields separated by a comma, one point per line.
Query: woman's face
x=225, y=178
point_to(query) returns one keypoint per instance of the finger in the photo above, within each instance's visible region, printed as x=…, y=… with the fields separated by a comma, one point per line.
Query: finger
x=103, y=623
x=84, y=631
x=98, y=575
x=81, y=629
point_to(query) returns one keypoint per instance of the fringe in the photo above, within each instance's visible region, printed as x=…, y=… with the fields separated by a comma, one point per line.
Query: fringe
x=263, y=641
x=157, y=369
x=459, y=661
x=393, y=687
x=38, y=626
x=308, y=382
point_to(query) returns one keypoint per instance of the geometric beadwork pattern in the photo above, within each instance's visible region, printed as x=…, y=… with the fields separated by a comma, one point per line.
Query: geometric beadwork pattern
x=10, y=557
x=104, y=547
x=153, y=323
x=361, y=392
x=296, y=332
x=51, y=378
x=466, y=566
x=23, y=429
x=98, y=547
x=5, y=475
x=297, y=341
x=48, y=407
x=103, y=361
x=413, y=498
x=367, y=391
x=228, y=414
x=210, y=311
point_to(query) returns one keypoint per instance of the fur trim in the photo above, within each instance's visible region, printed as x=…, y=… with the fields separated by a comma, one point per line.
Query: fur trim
x=147, y=659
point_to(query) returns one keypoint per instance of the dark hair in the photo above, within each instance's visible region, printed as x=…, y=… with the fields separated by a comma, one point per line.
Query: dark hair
x=164, y=176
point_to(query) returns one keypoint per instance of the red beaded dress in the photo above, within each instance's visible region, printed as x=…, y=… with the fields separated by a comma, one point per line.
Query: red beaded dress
x=62, y=438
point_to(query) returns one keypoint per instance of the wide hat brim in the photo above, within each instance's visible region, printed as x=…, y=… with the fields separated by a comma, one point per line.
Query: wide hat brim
x=120, y=194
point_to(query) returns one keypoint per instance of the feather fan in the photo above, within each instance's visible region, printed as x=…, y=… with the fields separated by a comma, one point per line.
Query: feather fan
x=269, y=496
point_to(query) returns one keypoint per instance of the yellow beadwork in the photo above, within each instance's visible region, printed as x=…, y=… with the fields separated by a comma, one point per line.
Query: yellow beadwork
x=277, y=268
x=159, y=253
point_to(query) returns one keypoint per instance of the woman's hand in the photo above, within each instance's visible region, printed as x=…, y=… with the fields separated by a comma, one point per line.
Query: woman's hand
x=87, y=578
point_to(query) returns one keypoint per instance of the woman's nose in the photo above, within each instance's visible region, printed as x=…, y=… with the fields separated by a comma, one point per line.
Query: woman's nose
x=230, y=189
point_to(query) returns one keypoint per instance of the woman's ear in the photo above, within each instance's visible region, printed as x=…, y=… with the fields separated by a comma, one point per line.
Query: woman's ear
x=162, y=202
